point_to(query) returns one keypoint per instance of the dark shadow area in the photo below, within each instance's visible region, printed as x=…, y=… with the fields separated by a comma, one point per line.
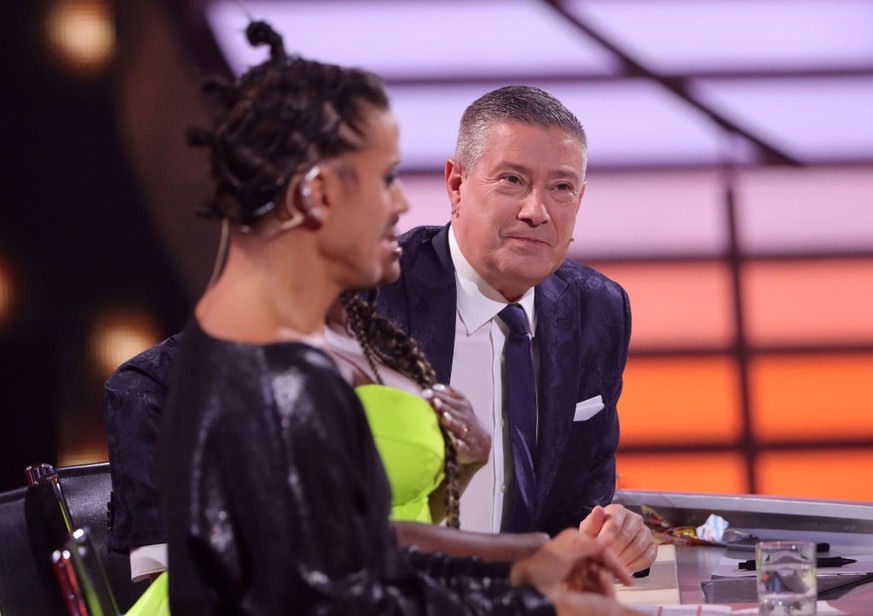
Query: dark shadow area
x=76, y=239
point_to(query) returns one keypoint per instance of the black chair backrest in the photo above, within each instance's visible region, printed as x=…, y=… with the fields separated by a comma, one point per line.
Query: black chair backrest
x=87, y=489
x=37, y=520
x=27, y=584
x=82, y=578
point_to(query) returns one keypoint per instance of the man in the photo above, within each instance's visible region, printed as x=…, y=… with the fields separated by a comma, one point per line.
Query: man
x=515, y=185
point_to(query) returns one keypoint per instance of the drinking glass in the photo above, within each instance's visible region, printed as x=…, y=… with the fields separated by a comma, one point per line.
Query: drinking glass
x=785, y=572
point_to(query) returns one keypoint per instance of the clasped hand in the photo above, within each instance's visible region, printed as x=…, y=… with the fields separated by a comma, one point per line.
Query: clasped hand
x=625, y=532
x=576, y=573
x=456, y=415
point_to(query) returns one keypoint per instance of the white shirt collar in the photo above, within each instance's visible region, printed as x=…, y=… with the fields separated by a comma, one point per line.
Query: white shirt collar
x=478, y=301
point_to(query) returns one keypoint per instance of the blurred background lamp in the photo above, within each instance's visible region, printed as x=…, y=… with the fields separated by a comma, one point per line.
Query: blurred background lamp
x=119, y=335
x=81, y=34
x=5, y=292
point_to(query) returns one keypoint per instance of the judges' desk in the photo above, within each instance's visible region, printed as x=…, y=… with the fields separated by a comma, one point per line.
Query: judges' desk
x=846, y=525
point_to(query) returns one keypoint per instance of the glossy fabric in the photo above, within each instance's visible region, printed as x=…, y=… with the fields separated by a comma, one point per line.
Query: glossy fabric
x=410, y=445
x=583, y=332
x=277, y=502
x=134, y=396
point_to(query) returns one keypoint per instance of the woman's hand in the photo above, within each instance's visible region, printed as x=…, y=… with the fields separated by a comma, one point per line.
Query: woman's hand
x=456, y=415
x=572, y=561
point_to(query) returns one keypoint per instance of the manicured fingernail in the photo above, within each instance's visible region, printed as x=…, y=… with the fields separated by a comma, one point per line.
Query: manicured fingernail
x=427, y=394
x=440, y=387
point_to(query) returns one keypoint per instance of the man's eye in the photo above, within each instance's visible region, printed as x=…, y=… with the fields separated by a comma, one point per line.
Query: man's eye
x=512, y=179
x=390, y=178
x=565, y=187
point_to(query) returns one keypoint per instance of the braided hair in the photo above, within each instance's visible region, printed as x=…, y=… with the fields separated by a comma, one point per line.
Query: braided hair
x=280, y=118
x=383, y=342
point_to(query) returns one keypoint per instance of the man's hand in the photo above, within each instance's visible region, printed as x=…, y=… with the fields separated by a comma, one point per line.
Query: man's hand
x=571, y=561
x=625, y=532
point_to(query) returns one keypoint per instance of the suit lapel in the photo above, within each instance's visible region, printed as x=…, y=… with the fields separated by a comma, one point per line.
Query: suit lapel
x=557, y=336
x=432, y=303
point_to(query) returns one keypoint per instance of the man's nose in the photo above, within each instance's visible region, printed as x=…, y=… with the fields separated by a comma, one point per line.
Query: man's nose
x=533, y=208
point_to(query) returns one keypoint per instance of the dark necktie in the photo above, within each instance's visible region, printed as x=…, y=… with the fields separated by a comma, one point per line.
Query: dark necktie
x=521, y=406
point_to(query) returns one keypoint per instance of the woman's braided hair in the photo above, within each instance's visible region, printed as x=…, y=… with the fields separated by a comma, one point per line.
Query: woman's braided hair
x=278, y=119
x=383, y=342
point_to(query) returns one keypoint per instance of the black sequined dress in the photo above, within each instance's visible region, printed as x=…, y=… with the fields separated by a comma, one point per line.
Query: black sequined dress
x=277, y=503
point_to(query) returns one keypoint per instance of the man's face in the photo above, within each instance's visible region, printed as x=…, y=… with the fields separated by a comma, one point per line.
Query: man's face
x=368, y=201
x=516, y=207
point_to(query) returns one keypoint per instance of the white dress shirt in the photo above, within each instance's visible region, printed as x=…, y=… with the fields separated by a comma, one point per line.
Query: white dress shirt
x=147, y=560
x=477, y=366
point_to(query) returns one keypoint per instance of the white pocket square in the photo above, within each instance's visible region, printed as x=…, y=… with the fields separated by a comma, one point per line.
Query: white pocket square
x=588, y=408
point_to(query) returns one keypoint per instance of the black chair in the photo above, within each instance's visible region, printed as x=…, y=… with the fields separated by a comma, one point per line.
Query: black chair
x=85, y=489
x=82, y=579
x=27, y=583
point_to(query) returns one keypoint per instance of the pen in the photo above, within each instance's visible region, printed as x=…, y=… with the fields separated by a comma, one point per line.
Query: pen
x=748, y=545
x=825, y=561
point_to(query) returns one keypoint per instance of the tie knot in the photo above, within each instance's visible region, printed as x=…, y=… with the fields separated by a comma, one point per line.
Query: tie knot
x=513, y=316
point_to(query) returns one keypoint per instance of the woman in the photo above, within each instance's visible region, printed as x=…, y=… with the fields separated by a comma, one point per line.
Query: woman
x=275, y=496
x=415, y=444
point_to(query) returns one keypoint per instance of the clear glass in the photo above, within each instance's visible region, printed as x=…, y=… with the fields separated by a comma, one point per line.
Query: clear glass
x=786, y=578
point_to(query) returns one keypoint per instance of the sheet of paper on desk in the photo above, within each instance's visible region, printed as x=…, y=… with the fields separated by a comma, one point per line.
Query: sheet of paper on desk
x=728, y=567
x=660, y=587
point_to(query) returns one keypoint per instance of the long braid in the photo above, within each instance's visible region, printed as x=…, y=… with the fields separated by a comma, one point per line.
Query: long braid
x=383, y=342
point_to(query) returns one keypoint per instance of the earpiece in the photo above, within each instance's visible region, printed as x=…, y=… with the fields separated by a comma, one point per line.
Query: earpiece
x=310, y=213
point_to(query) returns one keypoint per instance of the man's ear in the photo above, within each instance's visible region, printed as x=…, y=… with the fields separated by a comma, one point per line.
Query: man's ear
x=454, y=179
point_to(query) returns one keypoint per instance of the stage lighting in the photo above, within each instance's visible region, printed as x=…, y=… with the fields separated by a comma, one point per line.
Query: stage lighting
x=119, y=335
x=80, y=34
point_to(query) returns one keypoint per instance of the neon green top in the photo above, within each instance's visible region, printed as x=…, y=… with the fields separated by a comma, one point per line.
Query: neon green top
x=411, y=446
x=155, y=601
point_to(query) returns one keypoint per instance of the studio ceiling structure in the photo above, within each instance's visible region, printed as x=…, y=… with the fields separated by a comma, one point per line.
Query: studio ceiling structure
x=658, y=84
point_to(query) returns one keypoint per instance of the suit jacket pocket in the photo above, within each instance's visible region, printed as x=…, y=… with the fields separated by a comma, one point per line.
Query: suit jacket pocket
x=587, y=409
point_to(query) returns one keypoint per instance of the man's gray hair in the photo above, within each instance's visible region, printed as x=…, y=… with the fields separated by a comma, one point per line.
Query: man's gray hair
x=519, y=104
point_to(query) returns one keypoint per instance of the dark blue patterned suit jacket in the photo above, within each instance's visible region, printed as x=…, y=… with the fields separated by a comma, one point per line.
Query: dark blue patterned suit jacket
x=583, y=331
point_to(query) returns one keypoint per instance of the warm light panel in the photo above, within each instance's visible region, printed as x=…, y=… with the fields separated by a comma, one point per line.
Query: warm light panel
x=722, y=473
x=649, y=213
x=677, y=35
x=812, y=397
x=682, y=399
x=841, y=474
x=787, y=113
x=437, y=56
x=412, y=39
x=677, y=305
x=805, y=210
x=818, y=302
